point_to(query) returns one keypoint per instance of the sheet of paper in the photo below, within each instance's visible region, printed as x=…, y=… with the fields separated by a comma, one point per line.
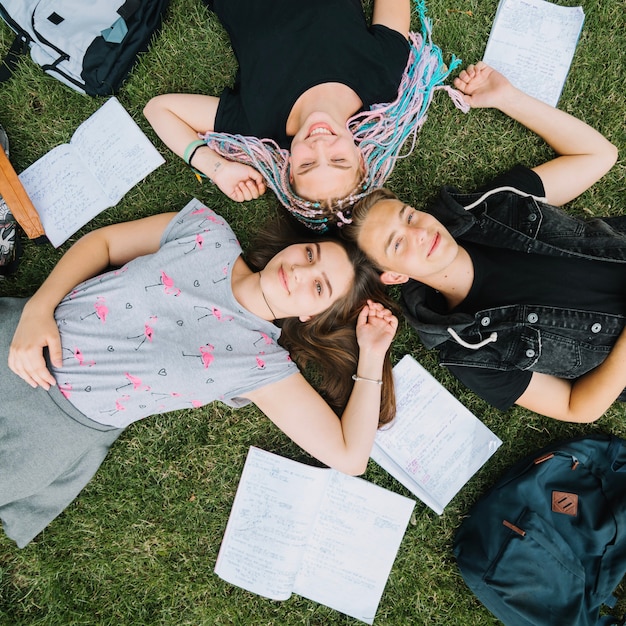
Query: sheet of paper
x=64, y=193
x=352, y=546
x=435, y=442
x=398, y=472
x=270, y=522
x=115, y=149
x=532, y=42
x=72, y=183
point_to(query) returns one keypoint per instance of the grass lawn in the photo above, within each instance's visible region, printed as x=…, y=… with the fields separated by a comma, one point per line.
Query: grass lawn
x=138, y=546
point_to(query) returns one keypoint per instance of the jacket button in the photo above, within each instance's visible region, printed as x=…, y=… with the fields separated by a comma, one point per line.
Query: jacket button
x=532, y=217
x=530, y=353
x=596, y=328
x=532, y=318
x=485, y=321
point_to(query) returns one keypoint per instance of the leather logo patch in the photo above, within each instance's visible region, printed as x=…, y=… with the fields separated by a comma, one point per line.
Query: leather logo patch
x=566, y=503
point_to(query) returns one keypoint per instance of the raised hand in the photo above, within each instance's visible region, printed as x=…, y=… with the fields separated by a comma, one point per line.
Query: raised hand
x=375, y=328
x=238, y=181
x=482, y=86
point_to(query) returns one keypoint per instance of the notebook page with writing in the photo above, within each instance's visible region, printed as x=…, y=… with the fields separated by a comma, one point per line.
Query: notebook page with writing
x=435, y=444
x=532, y=42
x=71, y=184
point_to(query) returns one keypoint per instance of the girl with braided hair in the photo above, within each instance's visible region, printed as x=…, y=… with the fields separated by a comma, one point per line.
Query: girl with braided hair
x=303, y=116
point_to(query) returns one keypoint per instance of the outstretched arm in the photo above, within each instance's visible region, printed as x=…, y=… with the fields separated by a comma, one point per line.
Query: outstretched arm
x=37, y=329
x=178, y=118
x=583, y=400
x=395, y=14
x=584, y=154
x=302, y=414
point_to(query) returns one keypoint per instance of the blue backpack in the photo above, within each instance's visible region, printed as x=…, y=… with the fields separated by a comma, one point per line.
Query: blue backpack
x=546, y=546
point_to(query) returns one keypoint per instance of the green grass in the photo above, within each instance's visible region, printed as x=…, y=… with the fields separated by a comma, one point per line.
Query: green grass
x=138, y=546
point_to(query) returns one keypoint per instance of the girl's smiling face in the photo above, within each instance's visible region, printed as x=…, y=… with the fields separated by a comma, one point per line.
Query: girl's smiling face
x=305, y=279
x=325, y=162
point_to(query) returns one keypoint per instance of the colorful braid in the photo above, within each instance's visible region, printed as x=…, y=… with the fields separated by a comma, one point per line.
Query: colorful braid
x=380, y=134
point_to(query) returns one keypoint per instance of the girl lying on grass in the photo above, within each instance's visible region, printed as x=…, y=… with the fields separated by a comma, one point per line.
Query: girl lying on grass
x=298, y=117
x=180, y=321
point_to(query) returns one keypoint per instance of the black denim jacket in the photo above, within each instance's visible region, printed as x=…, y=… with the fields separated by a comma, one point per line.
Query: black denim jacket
x=557, y=341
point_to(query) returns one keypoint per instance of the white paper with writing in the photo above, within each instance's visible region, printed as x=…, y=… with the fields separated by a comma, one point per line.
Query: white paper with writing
x=106, y=157
x=352, y=546
x=435, y=444
x=269, y=524
x=532, y=42
x=313, y=531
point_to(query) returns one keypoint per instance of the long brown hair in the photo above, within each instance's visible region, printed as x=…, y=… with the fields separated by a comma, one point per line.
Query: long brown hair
x=327, y=342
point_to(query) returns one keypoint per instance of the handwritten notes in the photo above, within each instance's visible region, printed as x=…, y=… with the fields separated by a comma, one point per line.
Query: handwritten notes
x=312, y=531
x=532, y=42
x=107, y=156
x=435, y=444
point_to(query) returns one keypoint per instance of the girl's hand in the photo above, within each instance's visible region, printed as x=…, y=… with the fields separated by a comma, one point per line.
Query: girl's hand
x=34, y=333
x=482, y=86
x=238, y=181
x=375, y=328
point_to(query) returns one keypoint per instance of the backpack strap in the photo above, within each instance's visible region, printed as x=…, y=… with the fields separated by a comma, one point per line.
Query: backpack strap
x=17, y=200
x=18, y=48
x=128, y=8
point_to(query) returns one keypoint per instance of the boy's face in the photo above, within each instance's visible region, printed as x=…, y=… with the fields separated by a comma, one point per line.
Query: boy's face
x=406, y=243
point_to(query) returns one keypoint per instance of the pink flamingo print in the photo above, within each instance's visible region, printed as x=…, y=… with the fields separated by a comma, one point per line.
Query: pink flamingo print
x=77, y=354
x=66, y=390
x=101, y=310
x=205, y=355
x=267, y=340
x=148, y=333
x=135, y=382
x=215, y=312
x=118, y=405
x=209, y=215
x=168, y=283
x=260, y=363
x=199, y=243
x=171, y=394
x=224, y=275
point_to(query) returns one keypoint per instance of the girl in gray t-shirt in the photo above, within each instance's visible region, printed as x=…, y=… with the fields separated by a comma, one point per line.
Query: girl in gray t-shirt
x=181, y=321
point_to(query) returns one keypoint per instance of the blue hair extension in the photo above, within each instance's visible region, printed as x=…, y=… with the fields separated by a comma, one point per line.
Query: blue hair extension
x=384, y=134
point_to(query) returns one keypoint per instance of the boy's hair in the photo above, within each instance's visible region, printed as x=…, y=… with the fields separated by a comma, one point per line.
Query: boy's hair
x=380, y=134
x=328, y=340
x=351, y=232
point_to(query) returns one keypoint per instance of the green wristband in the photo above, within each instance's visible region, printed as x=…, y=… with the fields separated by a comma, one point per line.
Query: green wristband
x=190, y=150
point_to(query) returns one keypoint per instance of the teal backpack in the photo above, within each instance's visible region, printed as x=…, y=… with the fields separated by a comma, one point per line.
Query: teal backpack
x=546, y=546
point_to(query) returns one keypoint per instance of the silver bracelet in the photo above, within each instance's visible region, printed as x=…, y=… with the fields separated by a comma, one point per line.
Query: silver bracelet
x=369, y=380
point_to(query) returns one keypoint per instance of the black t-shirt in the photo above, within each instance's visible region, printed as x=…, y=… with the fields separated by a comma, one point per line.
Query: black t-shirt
x=504, y=277
x=285, y=47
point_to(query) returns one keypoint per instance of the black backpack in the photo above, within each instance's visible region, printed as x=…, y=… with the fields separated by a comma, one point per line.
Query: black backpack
x=546, y=546
x=10, y=248
x=89, y=46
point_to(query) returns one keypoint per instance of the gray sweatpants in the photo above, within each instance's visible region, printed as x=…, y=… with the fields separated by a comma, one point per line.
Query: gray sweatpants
x=48, y=450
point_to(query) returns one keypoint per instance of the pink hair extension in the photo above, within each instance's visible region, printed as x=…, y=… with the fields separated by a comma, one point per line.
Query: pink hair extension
x=380, y=133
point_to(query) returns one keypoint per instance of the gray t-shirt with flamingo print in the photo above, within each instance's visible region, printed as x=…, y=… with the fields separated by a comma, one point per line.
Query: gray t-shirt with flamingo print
x=164, y=332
